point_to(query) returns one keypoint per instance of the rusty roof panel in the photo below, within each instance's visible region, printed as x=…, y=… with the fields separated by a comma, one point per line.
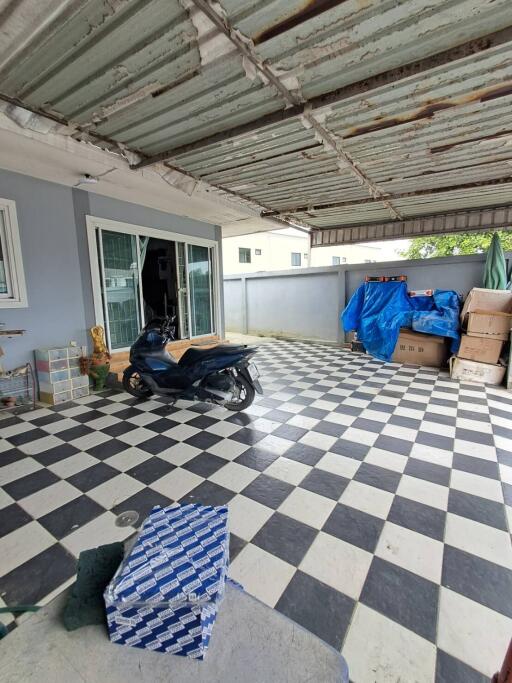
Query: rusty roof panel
x=213, y=93
x=461, y=144
x=157, y=75
x=409, y=207
x=84, y=68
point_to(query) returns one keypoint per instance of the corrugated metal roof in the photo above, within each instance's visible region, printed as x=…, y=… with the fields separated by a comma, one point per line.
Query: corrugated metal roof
x=417, y=94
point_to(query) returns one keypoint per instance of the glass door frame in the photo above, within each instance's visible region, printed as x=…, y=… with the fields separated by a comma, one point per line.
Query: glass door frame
x=101, y=268
x=94, y=227
x=211, y=291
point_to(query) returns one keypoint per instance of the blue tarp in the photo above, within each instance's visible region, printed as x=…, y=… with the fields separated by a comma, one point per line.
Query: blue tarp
x=377, y=311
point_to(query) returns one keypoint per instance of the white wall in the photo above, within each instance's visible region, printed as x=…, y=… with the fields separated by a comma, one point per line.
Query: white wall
x=352, y=253
x=277, y=246
x=276, y=250
x=359, y=253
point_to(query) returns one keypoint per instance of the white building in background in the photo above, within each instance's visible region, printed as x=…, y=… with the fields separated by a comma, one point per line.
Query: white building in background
x=289, y=248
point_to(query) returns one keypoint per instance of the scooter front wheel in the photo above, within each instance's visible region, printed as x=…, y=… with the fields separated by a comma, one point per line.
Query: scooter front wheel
x=134, y=384
x=244, y=395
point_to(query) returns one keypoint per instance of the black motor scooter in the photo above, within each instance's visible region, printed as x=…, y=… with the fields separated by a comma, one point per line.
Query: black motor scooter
x=222, y=374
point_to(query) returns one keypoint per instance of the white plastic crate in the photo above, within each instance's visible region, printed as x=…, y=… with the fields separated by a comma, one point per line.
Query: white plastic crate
x=58, y=374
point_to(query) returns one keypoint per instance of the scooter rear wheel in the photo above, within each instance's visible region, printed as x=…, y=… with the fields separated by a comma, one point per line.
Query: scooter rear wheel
x=134, y=384
x=246, y=395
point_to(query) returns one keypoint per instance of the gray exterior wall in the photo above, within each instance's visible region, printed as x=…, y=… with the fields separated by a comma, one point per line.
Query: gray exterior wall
x=234, y=304
x=289, y=305
x=307, y=303
x=52, y=225
x=51, y=262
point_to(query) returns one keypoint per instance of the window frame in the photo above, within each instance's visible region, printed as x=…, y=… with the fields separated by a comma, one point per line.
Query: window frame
x=257, y=252
x=299, y=254
x=248, y=252
x=16, y=296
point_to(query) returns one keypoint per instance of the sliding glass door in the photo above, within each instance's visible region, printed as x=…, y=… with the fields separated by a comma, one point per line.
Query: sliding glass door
x=200, y=290
x=136, y=272
x=121, y=287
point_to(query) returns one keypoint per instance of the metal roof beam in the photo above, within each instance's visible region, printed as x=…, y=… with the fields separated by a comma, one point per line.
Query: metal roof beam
x=400, y=195
x=443, y=58
x=437, y=224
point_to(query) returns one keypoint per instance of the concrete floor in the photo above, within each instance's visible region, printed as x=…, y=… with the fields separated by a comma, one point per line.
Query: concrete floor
x=249, y=642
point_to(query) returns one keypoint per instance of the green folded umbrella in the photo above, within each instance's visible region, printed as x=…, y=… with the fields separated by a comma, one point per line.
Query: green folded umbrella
x=495, y=272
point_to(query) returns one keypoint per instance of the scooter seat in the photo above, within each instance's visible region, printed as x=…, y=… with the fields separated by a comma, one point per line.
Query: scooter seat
x=196, y=354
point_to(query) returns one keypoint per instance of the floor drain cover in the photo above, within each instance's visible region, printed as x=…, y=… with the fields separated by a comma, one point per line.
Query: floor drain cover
x=127, y=518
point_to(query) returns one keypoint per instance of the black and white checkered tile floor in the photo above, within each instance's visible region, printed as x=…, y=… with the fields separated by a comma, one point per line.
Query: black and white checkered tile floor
x=366, y=502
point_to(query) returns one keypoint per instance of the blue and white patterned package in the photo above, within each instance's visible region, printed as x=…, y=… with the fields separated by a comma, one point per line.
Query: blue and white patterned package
x=166, y=593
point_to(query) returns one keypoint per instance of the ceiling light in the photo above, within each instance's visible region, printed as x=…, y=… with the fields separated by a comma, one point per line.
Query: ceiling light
x=87, y=179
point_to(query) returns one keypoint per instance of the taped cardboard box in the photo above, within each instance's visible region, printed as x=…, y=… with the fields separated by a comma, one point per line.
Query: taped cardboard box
x=421, y=349
x=488, y=312
x=481, y=349
x=481, y=299
x=472, y=371
x=491, y=324
x=166, y=593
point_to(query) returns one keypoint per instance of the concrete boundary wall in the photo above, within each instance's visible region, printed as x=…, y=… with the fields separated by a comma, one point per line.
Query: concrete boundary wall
x=307, y=302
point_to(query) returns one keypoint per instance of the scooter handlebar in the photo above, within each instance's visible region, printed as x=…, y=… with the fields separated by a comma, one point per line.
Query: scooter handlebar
x=168, y=327
x=164, y=325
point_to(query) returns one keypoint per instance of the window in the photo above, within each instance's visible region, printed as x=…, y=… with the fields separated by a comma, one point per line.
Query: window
x=244, y=255
x=336, y=260
x=257, y=252
x=295, y=259
x=305, y=257
x=13, y=293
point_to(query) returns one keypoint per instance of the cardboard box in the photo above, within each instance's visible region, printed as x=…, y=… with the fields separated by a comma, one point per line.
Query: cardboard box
x=421, y=349
x=472, y=371
x=482, y=349
x=492, y=324
x=166, y=593
x=480, y=299
x=488, y=312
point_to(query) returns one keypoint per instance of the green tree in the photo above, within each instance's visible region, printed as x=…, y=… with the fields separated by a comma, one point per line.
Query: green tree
x=455, y=244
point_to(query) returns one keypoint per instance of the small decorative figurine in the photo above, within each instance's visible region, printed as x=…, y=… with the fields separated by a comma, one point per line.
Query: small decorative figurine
x=99, y=362
x=98, y=340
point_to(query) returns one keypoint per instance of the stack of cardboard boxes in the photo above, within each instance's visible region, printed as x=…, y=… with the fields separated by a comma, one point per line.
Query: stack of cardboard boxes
x=486, y=320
